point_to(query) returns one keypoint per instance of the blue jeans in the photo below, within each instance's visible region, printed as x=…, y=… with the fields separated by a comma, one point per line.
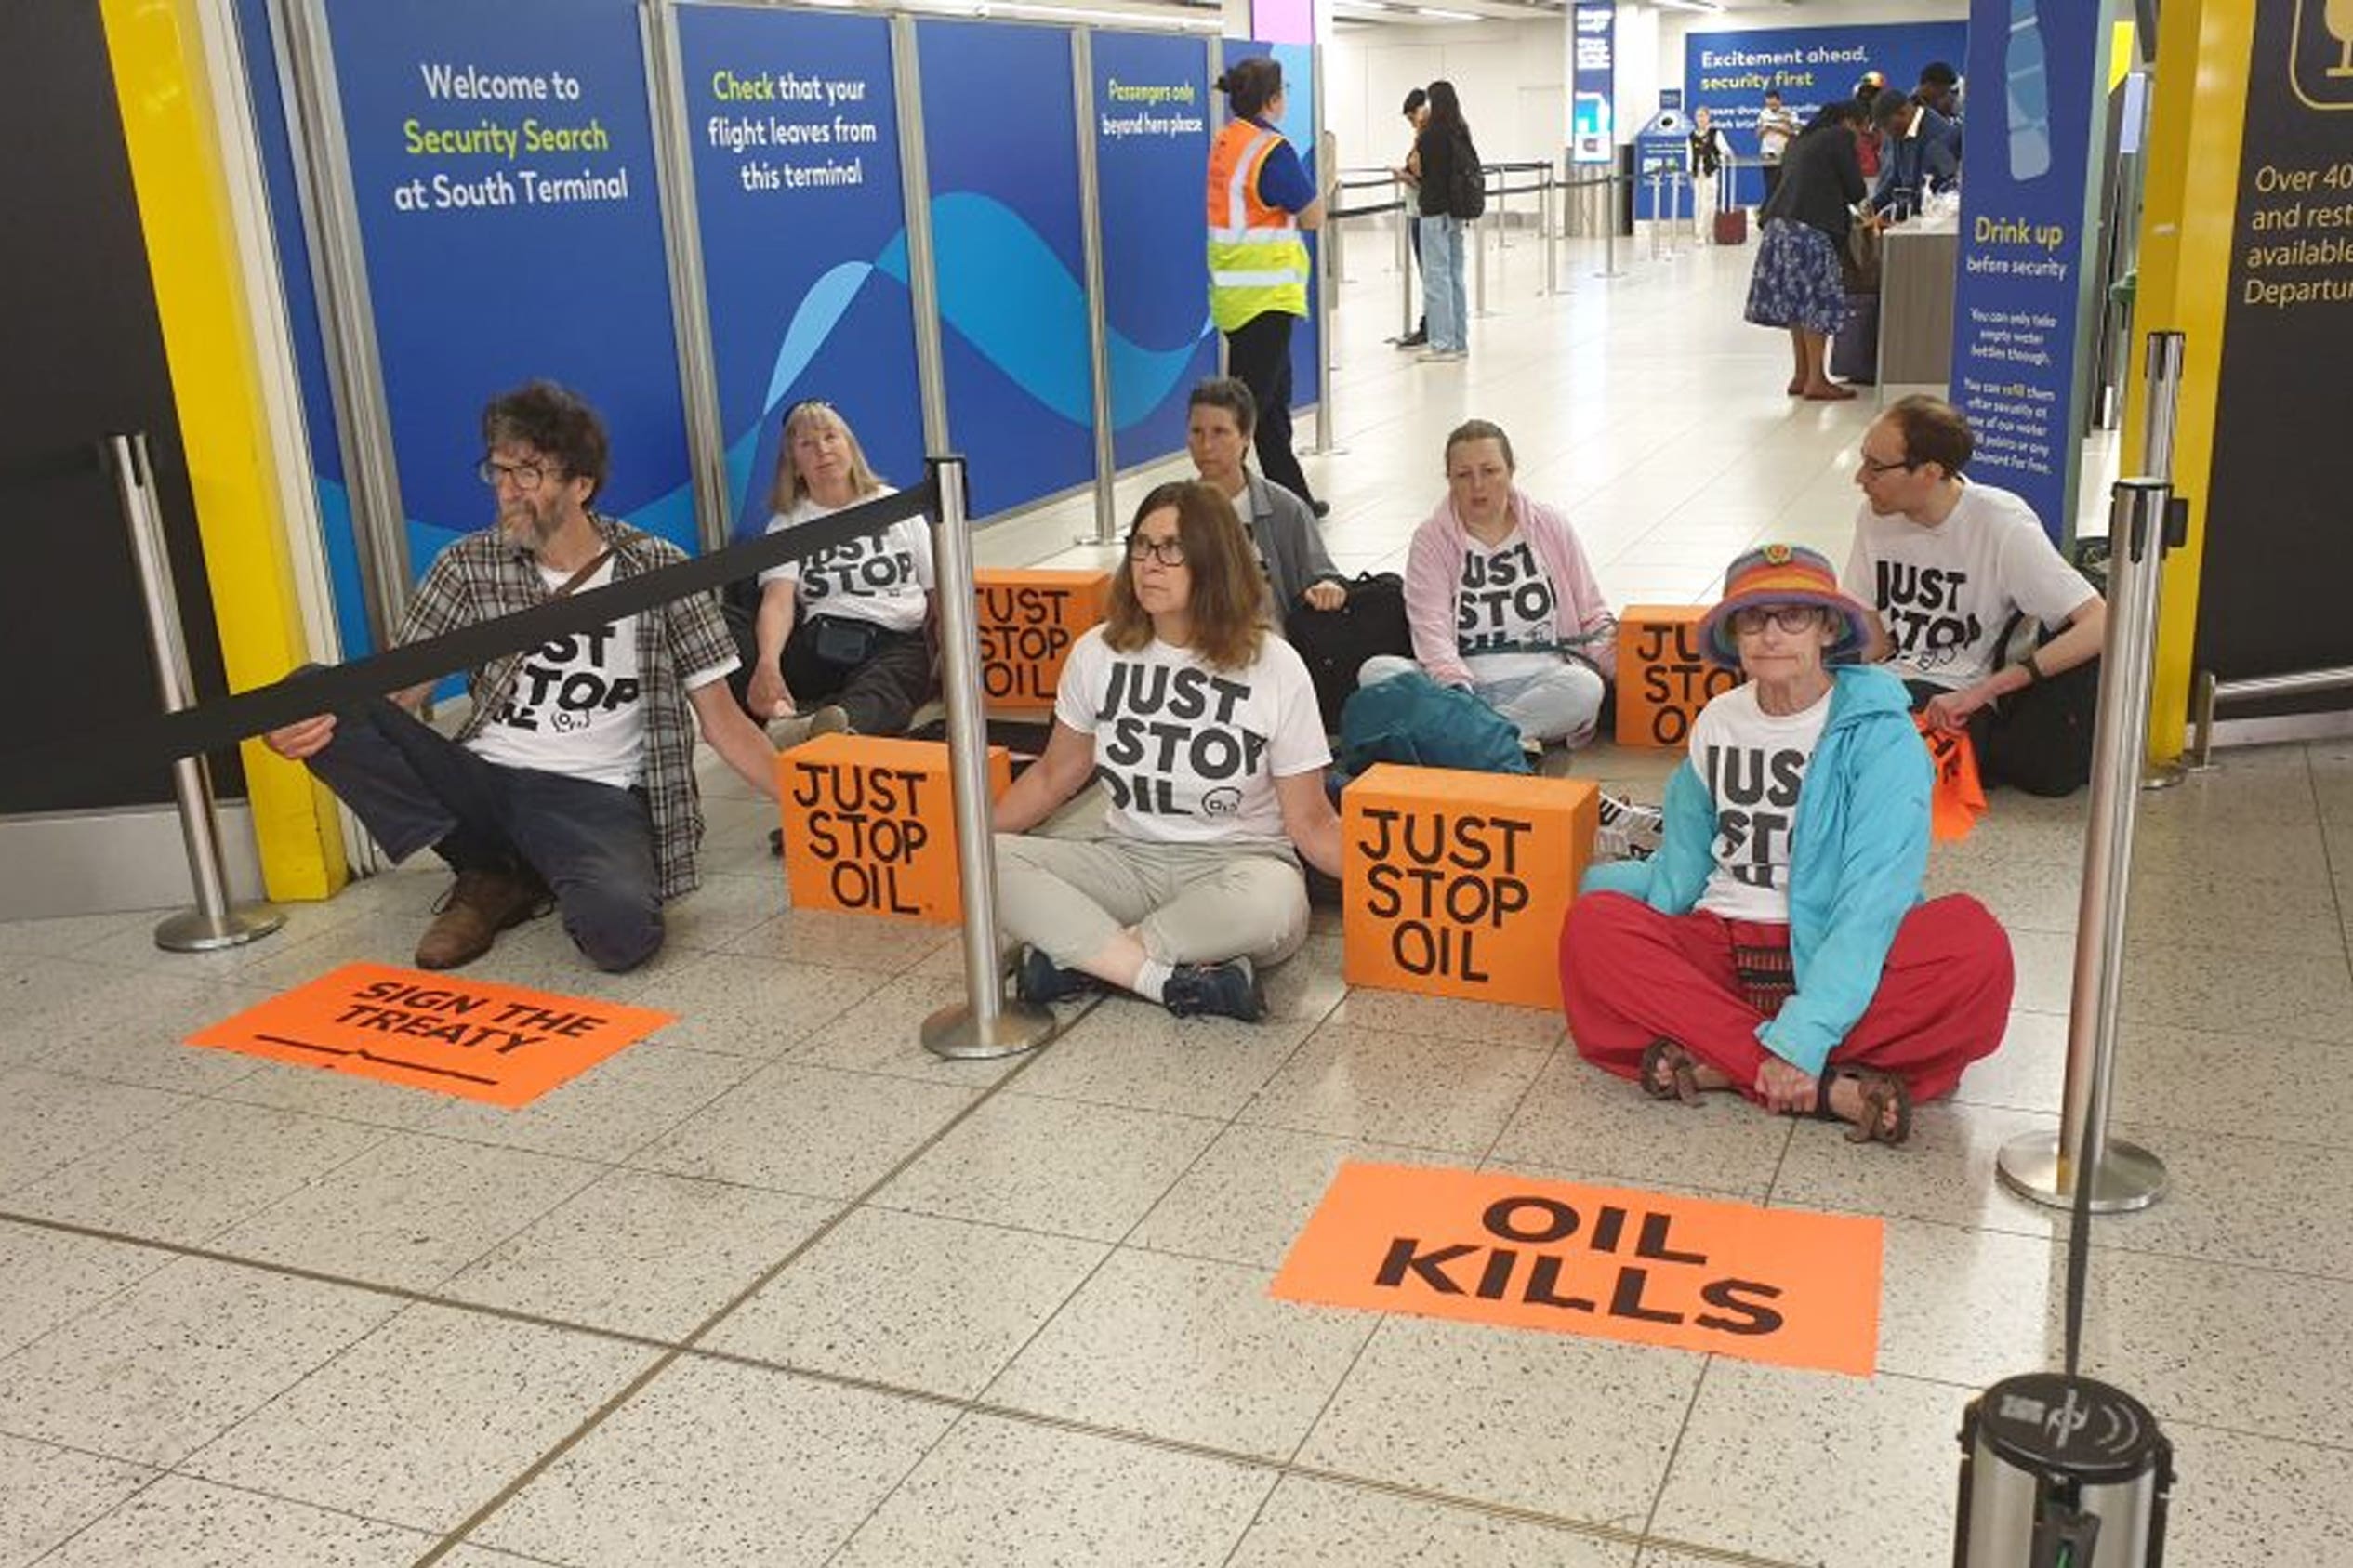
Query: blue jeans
x=1442, y=283
x=592, y=844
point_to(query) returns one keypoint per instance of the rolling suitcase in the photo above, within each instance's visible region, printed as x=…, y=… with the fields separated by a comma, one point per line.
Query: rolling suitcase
x=1732, y=219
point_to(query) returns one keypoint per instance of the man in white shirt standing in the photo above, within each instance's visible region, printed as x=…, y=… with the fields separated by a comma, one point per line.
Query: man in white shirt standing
x=1775, y=128
x=1944, y=565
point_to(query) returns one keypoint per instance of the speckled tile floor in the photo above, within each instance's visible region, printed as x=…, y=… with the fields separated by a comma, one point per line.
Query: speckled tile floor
x=783, y=1290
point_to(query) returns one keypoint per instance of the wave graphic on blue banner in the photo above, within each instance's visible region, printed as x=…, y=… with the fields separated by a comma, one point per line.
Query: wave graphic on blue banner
x=1006, y=297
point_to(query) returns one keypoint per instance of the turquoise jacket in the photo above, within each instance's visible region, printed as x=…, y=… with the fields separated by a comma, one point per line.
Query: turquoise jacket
x=1857, y=854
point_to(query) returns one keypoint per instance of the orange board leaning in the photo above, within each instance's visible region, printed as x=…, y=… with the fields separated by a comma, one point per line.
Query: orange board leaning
x=474, y=1038
x=1772, y=1284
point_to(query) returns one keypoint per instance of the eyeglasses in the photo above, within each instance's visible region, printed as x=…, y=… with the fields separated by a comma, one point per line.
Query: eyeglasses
x=1874, y=468
x=525, y=477
x=1752, y=620
x=1168, y=552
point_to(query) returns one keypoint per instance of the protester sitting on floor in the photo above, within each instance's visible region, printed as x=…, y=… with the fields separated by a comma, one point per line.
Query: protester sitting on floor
x=1281, y=530
x=1501, y=600
x=1777, y=943
x=844, y=636
x=573, y=777
x=1945, y=564
x=1202, y=726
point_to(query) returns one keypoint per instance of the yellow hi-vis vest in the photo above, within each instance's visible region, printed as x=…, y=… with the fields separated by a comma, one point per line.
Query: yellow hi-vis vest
x=1257, y=262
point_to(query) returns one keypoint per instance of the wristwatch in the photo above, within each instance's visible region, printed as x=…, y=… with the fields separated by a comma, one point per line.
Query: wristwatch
x=2033, y=670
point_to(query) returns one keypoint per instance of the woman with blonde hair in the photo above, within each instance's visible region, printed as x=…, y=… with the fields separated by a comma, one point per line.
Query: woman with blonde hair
x=1203, y=726
x=842, y=638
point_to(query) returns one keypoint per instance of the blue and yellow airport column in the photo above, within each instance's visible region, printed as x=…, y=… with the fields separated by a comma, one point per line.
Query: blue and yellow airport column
x=2189, y=206
x=168, y=124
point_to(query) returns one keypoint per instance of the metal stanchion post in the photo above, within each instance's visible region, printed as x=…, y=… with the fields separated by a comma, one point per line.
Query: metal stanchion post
x=1405, y=256
x=2160, y=380
x=988, y=1024
x=213, y=922
x=2042, y=1166
x=1610, y=228
x=1657, y=184
x=1551, y=282
x=1097, y=317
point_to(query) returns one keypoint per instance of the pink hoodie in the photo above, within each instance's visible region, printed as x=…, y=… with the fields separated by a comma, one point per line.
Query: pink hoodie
x=1434, y=578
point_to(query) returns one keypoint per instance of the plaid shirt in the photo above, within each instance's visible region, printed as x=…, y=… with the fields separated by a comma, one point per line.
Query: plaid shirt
x=483, y=575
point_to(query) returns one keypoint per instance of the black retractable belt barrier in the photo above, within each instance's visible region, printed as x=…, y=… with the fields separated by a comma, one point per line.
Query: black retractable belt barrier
x=161, y=739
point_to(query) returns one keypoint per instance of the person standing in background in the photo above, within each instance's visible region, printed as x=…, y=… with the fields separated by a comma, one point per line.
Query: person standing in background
x=1416, y=109
x=1260, y=198
x=1866, y=90
x=1709, y=153
x=1453, y=192
x=1775, y=128
x=1940, y=92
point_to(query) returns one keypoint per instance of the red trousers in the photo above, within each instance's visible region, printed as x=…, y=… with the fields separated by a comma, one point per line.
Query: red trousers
x=1631, y=976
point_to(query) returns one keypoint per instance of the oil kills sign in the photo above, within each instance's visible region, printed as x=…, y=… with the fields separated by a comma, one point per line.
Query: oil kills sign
x=1777, y=1285
x=869, y=829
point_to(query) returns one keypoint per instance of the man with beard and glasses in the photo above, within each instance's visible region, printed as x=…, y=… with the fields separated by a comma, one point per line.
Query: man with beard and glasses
x=571, y=782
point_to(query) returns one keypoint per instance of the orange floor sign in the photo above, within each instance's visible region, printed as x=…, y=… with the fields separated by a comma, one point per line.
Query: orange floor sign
x=476, y=1039
x=1771, y=1284
x=1663, y=681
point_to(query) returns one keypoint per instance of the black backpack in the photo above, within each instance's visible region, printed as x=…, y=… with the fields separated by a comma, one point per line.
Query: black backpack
x=1466, y=195
x=1335, y=643
x=2040, y=740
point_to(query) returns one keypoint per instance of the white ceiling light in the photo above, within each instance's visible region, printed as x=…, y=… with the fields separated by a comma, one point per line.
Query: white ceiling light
x=1447, y=16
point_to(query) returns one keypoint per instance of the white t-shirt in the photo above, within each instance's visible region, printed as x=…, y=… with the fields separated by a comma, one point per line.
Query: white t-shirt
x=1190, y=753
x=578, y=708
x=1753, y=764
x=1504, y=601
x=882, y=579
x=1945, y=593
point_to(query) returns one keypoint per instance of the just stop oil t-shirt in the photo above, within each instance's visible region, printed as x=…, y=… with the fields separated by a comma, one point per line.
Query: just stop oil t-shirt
x=578, y=707
x=1753, y=764
x=1189, y=753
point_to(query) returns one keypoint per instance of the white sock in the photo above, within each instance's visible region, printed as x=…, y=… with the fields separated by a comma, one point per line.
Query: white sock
x=1150, y=980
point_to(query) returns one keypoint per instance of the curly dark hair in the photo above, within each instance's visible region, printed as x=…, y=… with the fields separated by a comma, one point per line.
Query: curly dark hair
x=554, y=422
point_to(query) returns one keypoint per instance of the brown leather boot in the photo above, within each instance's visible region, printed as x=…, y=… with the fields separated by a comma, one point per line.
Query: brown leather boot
x=478, y=905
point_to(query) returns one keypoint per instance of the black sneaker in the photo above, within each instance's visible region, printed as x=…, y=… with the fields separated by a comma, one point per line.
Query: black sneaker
x=1039, y=980
x=1227, y=990
x=1419, y=338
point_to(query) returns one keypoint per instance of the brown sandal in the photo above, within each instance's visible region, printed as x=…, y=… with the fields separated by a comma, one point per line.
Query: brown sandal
x=1670, y=1072
x=1882, y=1092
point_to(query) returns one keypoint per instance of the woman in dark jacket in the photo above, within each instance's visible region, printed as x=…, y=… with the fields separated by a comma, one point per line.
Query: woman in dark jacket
x=1447, y=159
x=1797, y=283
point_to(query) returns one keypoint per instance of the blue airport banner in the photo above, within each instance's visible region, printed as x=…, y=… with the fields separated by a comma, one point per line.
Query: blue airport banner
x=1299, y=127
x=793, y=123
x=306, y=328
x=2028, y=244
x=502, y=156
x=1729, y=72
x=1593, y=116
x=1152, y=146
x=1001, y=134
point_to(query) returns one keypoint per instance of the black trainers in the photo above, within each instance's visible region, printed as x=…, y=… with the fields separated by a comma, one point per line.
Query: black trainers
x=1039, y=980
x=1227, y=990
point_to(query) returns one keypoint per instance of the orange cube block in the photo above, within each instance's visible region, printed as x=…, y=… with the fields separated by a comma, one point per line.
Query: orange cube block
x=1028, y=621
x=1663, y=679
x=1456, y=883
x=869, y=828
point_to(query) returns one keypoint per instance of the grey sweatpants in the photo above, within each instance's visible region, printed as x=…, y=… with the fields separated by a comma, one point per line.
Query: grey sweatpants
x=1191, y=903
